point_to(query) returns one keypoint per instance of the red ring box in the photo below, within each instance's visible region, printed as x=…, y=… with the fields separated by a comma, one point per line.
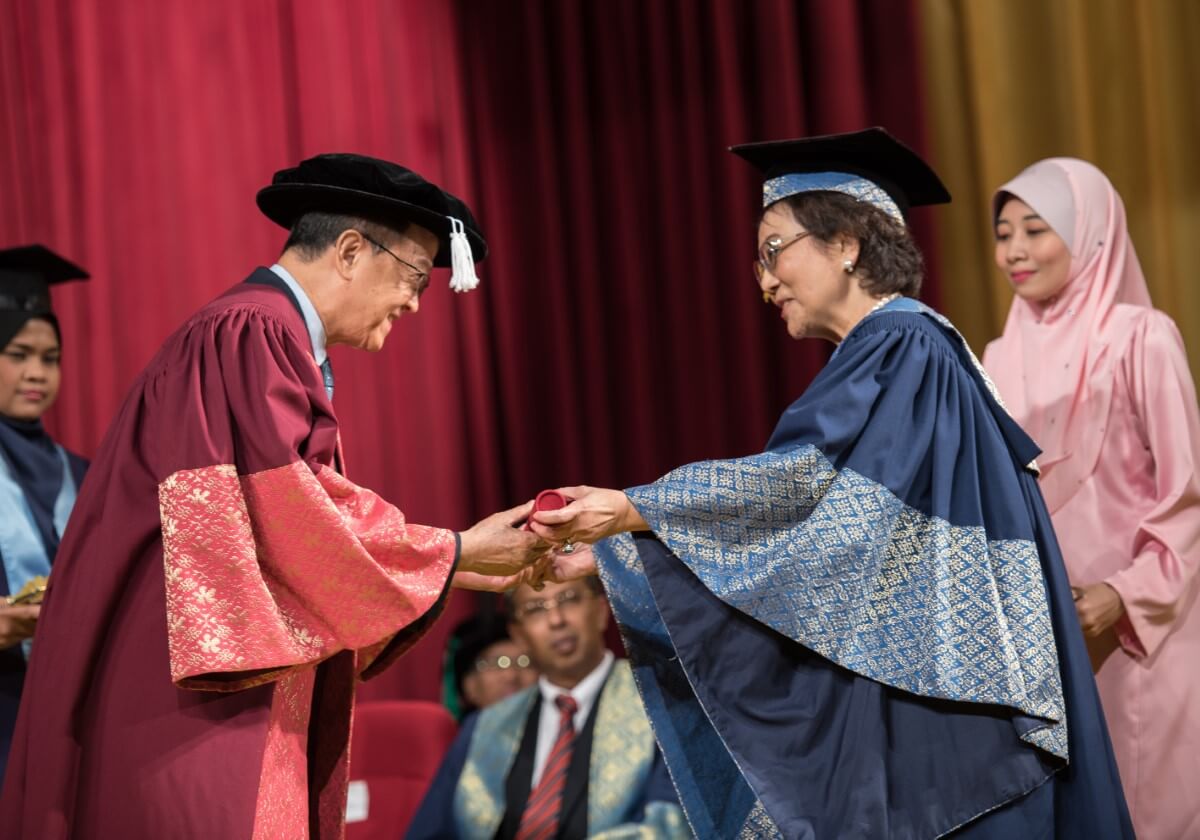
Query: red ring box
x=548, y=500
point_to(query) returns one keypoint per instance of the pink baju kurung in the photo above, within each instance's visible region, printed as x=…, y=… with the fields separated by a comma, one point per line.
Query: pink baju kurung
x=1100, y=380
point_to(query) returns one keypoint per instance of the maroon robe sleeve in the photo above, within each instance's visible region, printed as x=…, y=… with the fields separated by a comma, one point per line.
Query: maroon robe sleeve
x=272, y=559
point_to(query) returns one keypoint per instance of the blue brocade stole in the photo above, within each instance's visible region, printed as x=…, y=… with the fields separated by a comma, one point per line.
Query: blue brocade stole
x=21, y=545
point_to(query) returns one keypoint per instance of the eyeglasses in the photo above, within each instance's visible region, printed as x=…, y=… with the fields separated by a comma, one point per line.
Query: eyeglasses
x=539, y=609
x=420, y=282
x=769, y=253
x=502, y=663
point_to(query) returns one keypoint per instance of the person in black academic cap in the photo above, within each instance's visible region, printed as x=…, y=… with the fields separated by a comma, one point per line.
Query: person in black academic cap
x=483, y=664
x=223, y=586
x=866, y=630
x=39, y=478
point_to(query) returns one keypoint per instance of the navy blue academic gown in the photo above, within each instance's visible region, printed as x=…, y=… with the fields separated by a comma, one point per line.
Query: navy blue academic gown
x=32, y=460
x=867, y=630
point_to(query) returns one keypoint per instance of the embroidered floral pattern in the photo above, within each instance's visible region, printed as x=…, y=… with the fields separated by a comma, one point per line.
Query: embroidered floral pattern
x=281, y=810
x=284, y=567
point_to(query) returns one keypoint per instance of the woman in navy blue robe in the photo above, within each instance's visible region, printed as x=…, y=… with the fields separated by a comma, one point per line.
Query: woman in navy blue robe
x=865, y=630
x=38, y=478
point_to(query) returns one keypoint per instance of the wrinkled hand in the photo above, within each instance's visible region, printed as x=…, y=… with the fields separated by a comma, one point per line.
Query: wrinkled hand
x=17, y=623
x=553, y=567
x=594, y=514
x=497, y=547
x=1098, y=606
x=494, y=583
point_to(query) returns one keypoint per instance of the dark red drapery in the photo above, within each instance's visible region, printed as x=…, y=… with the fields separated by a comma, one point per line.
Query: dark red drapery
x=617, y=332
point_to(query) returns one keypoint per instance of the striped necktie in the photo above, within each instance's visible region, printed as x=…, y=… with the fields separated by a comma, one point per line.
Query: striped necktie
x=540, y=819
x=327, y=375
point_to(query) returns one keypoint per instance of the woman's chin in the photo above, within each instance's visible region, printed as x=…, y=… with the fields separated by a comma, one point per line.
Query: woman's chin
x=798, y=328
x=1023, y=291
x=27, y=415
x=1038, y=292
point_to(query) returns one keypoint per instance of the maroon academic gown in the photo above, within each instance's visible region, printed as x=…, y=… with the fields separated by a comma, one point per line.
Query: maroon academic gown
x=218, y=593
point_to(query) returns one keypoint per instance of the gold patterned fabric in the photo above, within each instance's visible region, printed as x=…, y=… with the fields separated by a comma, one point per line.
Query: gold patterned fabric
x=282, y=802
x=250, y=600
x=759, y=826
x=479, y=799
x=246, y=563
x=623, y=750
x=837, y=563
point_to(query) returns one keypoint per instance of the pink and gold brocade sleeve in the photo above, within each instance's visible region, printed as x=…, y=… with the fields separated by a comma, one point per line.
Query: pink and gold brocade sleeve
x=283, y=568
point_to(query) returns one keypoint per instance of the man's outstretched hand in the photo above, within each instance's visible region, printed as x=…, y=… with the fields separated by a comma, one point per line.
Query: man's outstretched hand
x=496, y=554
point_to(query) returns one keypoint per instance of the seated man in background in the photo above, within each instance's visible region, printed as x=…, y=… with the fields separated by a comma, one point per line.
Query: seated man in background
x=484, y=665
x=570, y=757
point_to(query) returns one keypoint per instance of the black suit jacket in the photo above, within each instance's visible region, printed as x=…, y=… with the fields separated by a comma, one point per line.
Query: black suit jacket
x=572, y=821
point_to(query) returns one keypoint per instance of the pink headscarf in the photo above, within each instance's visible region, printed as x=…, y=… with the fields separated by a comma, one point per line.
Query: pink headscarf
x=1055, y=363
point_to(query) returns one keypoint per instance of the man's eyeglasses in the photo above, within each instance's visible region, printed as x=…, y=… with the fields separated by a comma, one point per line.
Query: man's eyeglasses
x=420, y=282
x=502, y=663
x=769, y=253
x=539, y=608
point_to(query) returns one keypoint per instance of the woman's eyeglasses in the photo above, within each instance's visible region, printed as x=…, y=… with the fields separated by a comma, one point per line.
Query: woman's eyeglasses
x=769, y=253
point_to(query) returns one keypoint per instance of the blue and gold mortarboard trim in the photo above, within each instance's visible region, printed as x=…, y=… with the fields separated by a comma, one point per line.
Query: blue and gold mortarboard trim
x=871, y=166
x=783, y=186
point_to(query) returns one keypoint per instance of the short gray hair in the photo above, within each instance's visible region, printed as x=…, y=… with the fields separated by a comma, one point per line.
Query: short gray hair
x=313, y=232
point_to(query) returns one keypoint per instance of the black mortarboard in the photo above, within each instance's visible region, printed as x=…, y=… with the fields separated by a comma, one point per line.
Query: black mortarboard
x=380, y=191
x=870, y=165
x=26, y=274
x=467, y=642
x=474, y=636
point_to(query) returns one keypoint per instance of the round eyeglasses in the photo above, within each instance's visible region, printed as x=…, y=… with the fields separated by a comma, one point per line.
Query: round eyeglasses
x=769, y=251
x=503, y=662
x=419, y=283
x=538, y=610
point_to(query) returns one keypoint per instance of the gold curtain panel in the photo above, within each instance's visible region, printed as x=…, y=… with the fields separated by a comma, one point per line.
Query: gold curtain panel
x=1116, y=82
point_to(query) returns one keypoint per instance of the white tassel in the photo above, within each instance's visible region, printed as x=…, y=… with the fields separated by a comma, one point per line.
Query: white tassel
x=462, y=265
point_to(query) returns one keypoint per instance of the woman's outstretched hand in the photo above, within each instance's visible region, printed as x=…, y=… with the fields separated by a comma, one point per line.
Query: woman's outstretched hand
x=594, y=514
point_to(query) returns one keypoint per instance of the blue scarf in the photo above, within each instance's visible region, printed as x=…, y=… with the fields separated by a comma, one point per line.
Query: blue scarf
x=37, y=491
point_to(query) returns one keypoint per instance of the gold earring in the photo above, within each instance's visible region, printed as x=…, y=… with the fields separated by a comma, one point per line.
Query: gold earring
x=766, y=296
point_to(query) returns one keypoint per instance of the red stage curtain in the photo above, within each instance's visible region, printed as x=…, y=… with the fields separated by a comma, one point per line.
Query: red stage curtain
x=617, y=332
x=627, y=335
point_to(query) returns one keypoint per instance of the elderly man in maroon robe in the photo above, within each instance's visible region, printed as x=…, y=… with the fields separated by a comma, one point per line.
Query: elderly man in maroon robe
x=223, y=586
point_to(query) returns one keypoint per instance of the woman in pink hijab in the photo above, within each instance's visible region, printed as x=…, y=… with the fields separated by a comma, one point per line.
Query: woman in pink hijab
x=1100, y=380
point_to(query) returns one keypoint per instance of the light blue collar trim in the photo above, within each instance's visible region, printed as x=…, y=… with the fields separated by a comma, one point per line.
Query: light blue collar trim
x=843, y=182
x=900, y=304
x=316, y=327
x=23, y=555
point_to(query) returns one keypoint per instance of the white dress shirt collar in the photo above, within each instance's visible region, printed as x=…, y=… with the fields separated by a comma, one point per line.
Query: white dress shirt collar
x=312, y=320
x=585, y=693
